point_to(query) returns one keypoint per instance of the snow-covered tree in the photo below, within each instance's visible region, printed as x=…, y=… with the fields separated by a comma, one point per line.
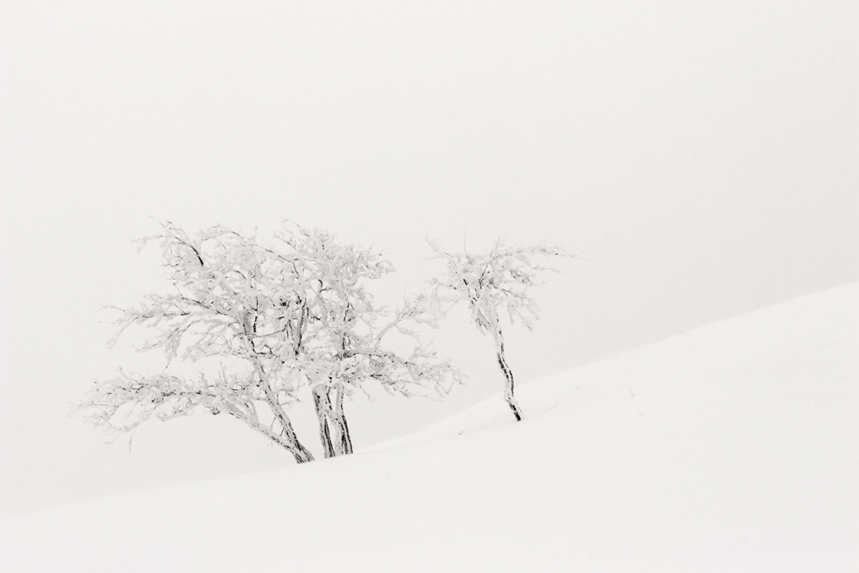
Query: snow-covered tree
x=343, y=346
x=257, y=324
x=499, y=279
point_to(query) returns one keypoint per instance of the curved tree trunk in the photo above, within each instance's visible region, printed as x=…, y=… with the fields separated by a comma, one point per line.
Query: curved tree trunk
x=299, y=452
x=295, y=447
x=248, y=416
x=290, y=439
x=508, y=375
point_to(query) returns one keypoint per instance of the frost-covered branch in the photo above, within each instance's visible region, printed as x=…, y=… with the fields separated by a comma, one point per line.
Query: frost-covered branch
x=127, y=400
x=270, y=319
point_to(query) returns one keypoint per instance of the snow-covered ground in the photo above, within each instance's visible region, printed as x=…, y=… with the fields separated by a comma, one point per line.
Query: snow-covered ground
x=734, y=447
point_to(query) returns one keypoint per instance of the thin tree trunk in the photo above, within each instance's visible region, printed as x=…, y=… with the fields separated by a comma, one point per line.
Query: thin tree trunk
x=345, y=440
x=323, y=414
x=297, y=449
x=508, y=375
x=340, y=417
x=301, y=453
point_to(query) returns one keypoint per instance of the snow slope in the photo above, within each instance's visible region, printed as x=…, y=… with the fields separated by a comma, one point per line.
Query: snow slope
x=734, y=447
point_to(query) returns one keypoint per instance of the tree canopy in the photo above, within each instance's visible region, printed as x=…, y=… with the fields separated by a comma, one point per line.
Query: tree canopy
x=261, y=322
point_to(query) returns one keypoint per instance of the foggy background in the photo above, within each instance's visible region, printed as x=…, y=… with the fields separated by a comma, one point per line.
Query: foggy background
x=702, y=159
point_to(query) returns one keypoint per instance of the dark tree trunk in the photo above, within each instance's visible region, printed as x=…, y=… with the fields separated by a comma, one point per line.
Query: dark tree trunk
x=340, y=416
x=333, y=429
x=287, y=439
x=508, y=375
x=298, y=451
x=345, y=437
x=290, y=441
x=302, y=455
x=323, y=414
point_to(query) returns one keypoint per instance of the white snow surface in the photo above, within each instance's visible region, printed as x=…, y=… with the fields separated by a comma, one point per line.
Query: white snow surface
x=734, y=447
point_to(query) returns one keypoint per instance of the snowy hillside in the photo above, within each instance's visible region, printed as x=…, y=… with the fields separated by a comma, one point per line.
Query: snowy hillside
x=734, y=447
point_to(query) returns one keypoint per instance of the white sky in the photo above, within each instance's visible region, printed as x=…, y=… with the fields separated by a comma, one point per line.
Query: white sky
x=703, y=157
